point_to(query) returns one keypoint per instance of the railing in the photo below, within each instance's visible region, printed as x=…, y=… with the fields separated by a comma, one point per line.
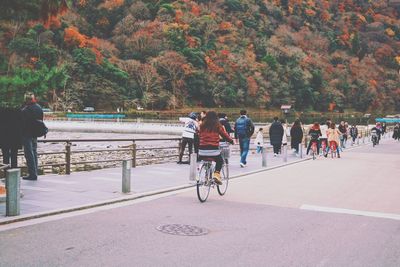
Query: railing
x=61, y=161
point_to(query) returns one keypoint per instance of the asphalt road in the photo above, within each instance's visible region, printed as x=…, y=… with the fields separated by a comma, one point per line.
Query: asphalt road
x=327, y=212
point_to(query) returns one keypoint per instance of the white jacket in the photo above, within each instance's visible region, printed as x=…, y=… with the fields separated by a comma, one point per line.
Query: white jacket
x=259, y=141
x=324, y=129
x=191, y=126
x=284, y=136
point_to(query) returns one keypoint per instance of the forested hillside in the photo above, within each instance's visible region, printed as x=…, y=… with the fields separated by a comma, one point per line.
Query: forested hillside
x=315, y=54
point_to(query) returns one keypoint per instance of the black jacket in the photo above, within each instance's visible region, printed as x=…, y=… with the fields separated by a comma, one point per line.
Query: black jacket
x=10, y=128
x=296, y=134
x=30, y=113
x=276, y=133
x=226, y=125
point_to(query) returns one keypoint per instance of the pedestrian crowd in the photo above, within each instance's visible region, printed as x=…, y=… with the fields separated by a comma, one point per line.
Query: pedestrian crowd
x=323, y=137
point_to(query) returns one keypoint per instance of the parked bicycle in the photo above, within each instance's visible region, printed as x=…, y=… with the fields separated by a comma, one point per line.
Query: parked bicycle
x=205, y=175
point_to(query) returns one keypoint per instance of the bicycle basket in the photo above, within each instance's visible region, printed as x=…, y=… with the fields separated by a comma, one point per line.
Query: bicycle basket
x=225, y=150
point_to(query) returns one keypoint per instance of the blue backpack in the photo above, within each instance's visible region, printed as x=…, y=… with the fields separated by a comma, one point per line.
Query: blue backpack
x=241, y=126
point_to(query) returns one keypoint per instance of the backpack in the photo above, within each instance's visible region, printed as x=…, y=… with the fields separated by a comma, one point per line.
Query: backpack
x=39, y=129
x=241, y=126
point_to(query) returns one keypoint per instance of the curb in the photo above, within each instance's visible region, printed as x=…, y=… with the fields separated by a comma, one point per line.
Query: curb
x=141, y=195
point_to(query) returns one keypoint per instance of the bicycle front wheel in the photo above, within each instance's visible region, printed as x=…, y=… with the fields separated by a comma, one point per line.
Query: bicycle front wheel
x=225, y=179
x=204, y=182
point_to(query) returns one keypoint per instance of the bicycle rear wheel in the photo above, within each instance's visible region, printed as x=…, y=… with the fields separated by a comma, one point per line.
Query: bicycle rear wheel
x=204, y=182
x=225, y=179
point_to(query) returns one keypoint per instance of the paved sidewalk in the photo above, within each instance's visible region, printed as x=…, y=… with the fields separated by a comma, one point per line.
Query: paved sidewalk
x=57, y=193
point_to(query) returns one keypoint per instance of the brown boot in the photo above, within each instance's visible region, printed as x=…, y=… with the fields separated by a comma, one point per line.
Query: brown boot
x=217, y=178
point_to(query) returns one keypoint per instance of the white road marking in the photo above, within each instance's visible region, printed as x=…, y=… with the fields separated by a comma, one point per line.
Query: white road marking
x=352, y=212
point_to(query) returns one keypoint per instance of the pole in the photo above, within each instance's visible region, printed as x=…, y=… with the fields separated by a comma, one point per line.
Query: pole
x=126, y=176
x=13, y=185
x=284, y=153
x=264, y=156
x=193, y=167
x=301, y=150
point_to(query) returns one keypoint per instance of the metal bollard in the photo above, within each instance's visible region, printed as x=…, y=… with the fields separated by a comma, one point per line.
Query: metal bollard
x=13, y=184
x=285, y=153
x=193, y=167
x=264, y=156
x=126, y=176
x=301, y=150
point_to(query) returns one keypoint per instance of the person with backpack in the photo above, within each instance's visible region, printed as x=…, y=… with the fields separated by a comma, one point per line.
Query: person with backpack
x=188, y=134
x=33, y=127
x=244, y=129
x=276, y=132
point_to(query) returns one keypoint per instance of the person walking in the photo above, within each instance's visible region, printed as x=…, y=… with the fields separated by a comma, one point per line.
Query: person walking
x=343, y=136
x=383, y=128
x=210, y=132
x=223, y=119
x=188, y=134
x=244, y=129
x=259, y=141
x=10, y=135
x=396, y=132
x=275, y=135
x=31, y=113
x=353, y=133
x=296, y=134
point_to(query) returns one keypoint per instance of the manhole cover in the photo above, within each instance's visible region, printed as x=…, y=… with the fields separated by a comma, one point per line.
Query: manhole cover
x=182, y=229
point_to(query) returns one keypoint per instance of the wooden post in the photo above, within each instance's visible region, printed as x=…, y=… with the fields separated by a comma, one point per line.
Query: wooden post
x=68, y=158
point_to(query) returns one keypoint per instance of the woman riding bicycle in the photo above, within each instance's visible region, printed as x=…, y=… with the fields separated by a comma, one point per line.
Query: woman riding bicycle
x=314, y=133
x=210, y=131
x=333, y=136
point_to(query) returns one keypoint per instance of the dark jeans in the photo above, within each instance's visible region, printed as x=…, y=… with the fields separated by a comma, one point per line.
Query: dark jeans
x=244, y=144
x=277, y=148
x=218, y=161
x=30, y=151
x=186, y=141
x=10, y=154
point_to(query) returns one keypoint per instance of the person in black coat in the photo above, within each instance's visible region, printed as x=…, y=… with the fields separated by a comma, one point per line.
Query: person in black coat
x=10, y=135
x=30, y=113
x=275, y=135
x=296, y=134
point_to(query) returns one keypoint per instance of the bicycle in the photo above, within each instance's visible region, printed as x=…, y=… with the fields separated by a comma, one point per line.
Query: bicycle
x=314, y=149
x=333, y=147
x=323, y=146
x=205, y=180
